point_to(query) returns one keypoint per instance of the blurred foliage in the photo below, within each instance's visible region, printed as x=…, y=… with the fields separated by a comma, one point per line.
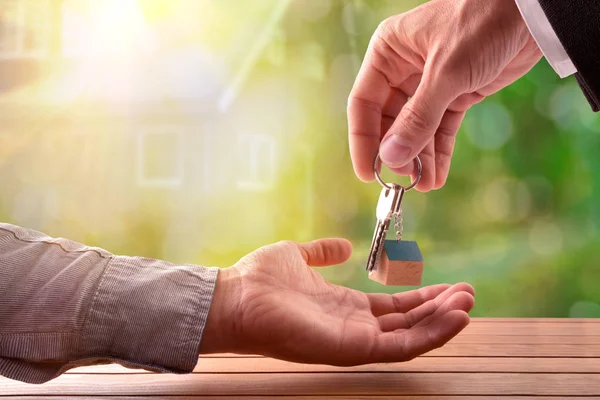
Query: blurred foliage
x=518, y=218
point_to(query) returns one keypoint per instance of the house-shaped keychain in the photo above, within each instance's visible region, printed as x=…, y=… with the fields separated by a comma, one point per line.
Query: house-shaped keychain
x=400, y=264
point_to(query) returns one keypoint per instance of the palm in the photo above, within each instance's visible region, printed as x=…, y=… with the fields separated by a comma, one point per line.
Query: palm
x=289, y=311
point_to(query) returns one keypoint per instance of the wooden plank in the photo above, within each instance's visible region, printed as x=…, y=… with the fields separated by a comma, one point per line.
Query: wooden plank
x=526, y=339
x=515, y=350
x=366, y=397
x=532, y=328
x=307, y=384
x=421, y=364
x=536, y=320
x=490, y=350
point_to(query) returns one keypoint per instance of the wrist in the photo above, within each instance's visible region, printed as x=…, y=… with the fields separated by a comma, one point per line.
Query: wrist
x=219, y=334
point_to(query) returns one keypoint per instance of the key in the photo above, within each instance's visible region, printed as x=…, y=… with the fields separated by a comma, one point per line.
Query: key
x=388, y=205
x=394, y=262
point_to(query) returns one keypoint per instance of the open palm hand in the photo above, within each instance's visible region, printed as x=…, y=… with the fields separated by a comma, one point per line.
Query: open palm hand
x=272, y=303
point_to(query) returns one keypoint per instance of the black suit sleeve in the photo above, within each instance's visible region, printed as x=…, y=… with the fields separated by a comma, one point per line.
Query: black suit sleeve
x=577, y=25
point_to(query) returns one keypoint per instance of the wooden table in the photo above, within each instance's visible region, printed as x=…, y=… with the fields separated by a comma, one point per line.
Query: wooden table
x=492, y=359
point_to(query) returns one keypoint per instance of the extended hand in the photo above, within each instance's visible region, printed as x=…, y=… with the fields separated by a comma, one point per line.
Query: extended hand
x=446, y=56
x=272, y=303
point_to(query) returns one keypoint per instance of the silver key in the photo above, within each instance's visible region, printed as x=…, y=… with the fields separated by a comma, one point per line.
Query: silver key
x=387, y=207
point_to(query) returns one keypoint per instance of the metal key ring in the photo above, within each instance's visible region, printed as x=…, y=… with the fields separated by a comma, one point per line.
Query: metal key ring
x=385, y=185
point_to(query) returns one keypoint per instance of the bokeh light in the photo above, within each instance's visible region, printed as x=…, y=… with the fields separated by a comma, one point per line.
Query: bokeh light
x=584, y=309
x=199, y=131
x=546, y=238
x=568, y=108
x=488, y=125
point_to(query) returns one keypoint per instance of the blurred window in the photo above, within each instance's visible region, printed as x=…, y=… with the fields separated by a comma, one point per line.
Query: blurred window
x=257, y=161
x=160, y=157
x=25, y=28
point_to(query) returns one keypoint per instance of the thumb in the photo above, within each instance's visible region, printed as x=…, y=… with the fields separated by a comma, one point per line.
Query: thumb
x=325, y=252
x=416, y=124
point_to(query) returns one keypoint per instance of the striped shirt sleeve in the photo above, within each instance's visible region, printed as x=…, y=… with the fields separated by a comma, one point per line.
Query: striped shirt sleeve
x=64, y=305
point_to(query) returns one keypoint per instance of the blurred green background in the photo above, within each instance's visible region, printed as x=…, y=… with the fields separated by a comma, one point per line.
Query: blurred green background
x=197, y=131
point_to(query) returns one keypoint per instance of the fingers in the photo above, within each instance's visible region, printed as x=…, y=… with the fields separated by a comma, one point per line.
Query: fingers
x=325, y=252
x=365, y=106
x=382, y=304
x=458, y=301
x=417, y=122
x=396, y=100
x=445, y=139
x=436, y=157
x=381, y=70
x=463, y=301
x=437, y=153
x=406, y=345
x=428, y=172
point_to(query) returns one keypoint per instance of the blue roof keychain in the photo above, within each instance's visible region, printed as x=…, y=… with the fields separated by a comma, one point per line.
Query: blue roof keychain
x=394, y=262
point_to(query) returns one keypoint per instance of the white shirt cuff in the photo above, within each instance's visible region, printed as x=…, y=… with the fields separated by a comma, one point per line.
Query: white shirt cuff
x=545, y=37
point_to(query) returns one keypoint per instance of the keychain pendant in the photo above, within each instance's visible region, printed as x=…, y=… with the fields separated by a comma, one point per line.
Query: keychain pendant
x=400, y=264
x=394, y=262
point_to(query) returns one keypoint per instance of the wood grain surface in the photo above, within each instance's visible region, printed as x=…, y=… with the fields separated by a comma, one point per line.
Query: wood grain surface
x=520, y=359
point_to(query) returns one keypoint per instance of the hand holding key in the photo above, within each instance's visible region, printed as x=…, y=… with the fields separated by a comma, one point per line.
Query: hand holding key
x=422, y=71
x=272, y=303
